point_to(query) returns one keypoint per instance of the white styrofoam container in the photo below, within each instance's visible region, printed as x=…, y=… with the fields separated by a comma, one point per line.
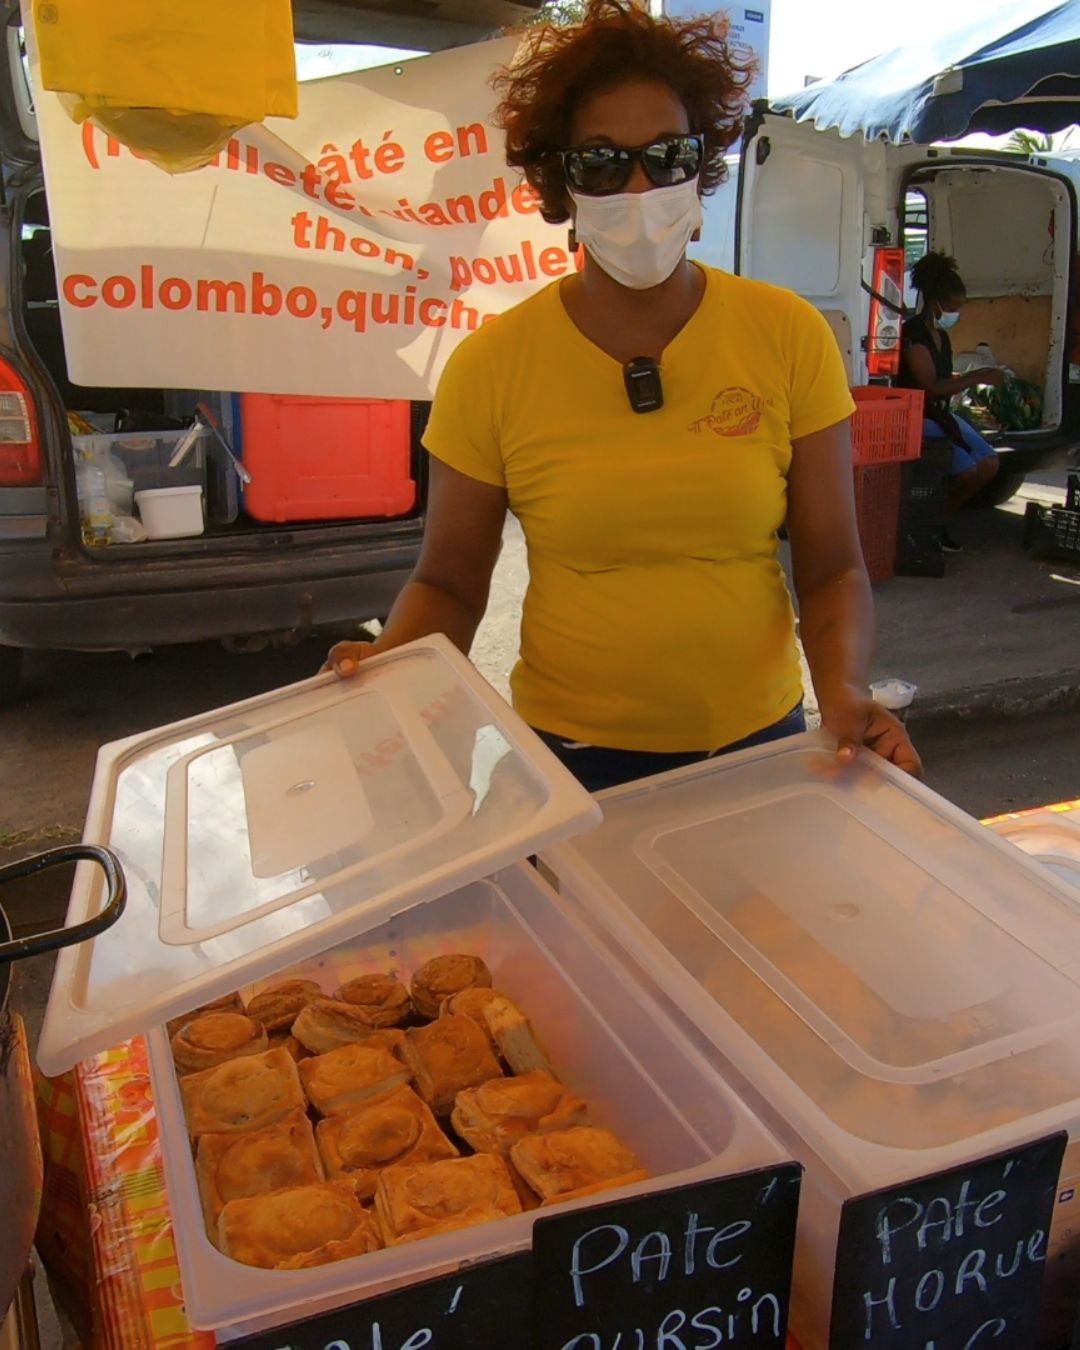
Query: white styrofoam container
x=172, y=512
x=639, y=1075
x=890, y=987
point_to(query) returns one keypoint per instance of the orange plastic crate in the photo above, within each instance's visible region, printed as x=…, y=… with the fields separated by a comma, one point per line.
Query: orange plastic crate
x=877, y=509
x=886, y=426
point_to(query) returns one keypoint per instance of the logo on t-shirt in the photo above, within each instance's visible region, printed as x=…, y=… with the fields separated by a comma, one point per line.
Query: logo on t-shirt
x=735, y=412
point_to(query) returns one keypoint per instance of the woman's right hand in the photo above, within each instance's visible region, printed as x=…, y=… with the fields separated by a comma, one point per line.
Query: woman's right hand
x=344, y=658
x=989, y=375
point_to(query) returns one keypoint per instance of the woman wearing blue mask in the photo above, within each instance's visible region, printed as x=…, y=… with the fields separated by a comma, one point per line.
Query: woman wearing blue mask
x=928, y=365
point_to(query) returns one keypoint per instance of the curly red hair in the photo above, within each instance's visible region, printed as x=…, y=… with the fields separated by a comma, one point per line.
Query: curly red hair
x=617, y=43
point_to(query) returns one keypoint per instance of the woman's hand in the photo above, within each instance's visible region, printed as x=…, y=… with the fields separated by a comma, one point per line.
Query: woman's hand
x=853, y=717
x=988, y=375
x=344, y=658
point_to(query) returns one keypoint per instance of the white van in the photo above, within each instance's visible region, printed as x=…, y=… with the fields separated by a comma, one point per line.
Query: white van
x=809, y=210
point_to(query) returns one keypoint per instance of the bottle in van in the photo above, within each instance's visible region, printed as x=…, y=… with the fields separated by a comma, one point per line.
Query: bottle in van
x=95, y=510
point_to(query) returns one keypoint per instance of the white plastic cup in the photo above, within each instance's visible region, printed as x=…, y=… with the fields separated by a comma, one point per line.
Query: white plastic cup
x=896, y=695
x=171, y=513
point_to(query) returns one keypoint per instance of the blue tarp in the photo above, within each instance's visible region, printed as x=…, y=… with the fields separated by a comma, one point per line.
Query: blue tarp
x=1017, y=68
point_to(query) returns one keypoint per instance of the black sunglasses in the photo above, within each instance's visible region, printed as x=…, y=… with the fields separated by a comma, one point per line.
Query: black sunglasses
x=599, y=169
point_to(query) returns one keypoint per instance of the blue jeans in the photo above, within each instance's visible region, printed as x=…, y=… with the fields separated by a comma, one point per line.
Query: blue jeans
x=597, y=768
x=965, y=457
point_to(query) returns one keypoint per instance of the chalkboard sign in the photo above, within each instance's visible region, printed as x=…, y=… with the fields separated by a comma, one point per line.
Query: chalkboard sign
x=706, y=1264
x=953, y=1261
x=483, y=1305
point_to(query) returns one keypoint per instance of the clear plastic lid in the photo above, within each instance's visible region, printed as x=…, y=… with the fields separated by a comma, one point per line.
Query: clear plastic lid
x=847, y=936
x=1052, y=837
x=259, y=834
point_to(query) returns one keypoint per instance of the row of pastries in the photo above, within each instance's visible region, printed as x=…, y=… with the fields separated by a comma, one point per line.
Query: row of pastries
x=329, y=1127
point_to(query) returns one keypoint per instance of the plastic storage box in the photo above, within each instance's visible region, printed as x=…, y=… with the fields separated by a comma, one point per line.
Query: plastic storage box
x=146, y=456
x=172, y=512
x=340, y=826
x=893, y=988
x=326, y=459
x=887, y=424
x=640, y=1077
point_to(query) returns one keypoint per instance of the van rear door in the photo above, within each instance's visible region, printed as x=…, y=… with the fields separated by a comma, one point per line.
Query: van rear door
x=801, y=221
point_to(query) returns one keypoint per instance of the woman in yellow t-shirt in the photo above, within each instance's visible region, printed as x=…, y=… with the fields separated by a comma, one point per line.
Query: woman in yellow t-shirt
x=652, y=423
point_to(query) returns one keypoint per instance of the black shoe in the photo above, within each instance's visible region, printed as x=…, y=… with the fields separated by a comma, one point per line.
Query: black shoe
x=949, y=544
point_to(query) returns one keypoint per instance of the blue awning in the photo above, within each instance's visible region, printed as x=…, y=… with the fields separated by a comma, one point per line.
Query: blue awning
x=1000, y=72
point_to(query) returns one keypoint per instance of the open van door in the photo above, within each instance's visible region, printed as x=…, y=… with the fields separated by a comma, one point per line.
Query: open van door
x=801, y=221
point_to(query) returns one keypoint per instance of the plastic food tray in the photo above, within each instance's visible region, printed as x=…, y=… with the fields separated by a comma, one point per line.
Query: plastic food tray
x=638, y=1073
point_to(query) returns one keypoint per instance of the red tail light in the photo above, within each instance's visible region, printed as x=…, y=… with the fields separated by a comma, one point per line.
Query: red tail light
x=20, y=443
x=883, y=340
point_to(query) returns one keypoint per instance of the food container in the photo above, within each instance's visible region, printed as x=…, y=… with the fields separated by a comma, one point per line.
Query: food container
x=344, y=826
x=892, y=988
x=171, y=513
x=639, y=1074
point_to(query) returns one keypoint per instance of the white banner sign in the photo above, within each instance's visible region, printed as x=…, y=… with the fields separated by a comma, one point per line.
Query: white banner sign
x=342, y=254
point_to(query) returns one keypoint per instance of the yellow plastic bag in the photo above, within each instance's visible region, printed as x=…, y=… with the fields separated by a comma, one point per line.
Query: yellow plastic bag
x=173, y=79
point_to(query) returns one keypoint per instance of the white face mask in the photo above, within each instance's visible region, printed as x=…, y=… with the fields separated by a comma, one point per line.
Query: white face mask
x=639, y=238
x=948, y=318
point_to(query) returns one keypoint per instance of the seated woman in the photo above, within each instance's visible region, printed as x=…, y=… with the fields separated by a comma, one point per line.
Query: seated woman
x=928, y=364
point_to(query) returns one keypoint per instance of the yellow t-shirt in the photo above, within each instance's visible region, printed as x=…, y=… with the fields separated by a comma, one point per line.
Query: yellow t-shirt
x=657, y=615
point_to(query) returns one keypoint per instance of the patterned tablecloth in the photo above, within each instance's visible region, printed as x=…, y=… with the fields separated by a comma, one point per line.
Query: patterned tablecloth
x=106, y=1231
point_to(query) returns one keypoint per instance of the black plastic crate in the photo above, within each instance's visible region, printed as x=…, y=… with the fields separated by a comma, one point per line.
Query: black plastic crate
x=1054, y=531
x=923, y=497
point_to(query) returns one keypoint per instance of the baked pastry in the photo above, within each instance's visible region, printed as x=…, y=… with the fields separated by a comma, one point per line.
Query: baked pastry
x=351, y=1074
x=360, y=1141
x=324, y=1024
x=279, y=1006
x=566, y=1164
x=226, y=1003
x=513, y=1035
x=383, y=1000
x=297, y=1227
x=471, y=1003
x=494, y=1116
x=243, y=1094
x=447, y=1056
x=420, y=1201
x=445, y=975
x=233, y=1166
x=214, y=1037
x=287, y=1041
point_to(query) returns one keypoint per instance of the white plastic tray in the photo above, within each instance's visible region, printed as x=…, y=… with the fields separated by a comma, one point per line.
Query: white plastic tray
x=638, y=1073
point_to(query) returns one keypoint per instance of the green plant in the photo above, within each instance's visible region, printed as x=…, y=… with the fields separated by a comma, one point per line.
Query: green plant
x=559, y=12
x=1038, y=142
